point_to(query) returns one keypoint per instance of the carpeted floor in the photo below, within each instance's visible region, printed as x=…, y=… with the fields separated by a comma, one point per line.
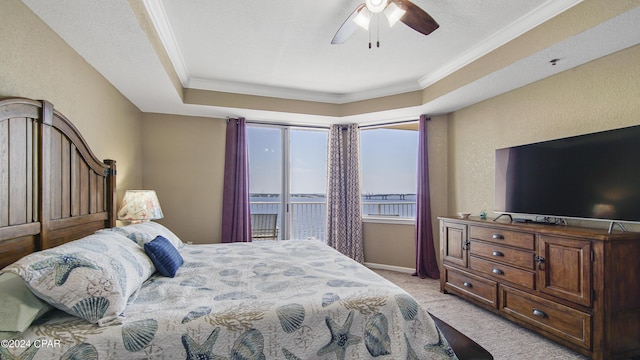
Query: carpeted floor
x=502, y=338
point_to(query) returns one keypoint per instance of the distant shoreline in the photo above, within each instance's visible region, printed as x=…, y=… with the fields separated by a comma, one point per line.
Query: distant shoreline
x=311, y=195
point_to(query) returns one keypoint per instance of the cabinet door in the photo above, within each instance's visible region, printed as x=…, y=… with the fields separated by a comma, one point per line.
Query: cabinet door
x=565, y=268
x=454, y=243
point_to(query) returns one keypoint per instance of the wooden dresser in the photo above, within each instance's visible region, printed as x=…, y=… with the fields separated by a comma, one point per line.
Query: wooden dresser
x=577, y=286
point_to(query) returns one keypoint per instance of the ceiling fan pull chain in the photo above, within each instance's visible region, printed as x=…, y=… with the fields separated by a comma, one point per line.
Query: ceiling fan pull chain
x=378, y=27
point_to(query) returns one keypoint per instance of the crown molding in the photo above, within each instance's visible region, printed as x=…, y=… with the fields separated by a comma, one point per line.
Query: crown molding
x=161, y=23
x=261, y=90
x=297, y=94
x=525, y=23
x=541, y=14
x=387, y=90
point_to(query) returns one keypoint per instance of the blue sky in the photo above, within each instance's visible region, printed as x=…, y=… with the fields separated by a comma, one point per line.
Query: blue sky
x=388, y=160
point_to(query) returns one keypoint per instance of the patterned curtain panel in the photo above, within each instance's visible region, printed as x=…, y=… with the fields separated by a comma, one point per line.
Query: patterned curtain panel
x=344, y=214
x=426, y=262
x=236, y=219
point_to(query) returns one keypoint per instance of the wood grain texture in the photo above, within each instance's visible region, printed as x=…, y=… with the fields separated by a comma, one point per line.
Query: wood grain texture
x=52, y=187
x=584, y=293
x=19, y=225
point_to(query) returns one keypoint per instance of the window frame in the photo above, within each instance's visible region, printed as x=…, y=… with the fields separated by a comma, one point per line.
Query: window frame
x=391, y=219
x=286, y=222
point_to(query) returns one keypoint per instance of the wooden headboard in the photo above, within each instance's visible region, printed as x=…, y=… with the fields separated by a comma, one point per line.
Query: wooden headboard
x=52, y=187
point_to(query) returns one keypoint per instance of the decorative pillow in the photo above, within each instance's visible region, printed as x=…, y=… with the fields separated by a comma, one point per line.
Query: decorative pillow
x=18, y=306
x=145, y=232
x=164, y=255
x=91, y=278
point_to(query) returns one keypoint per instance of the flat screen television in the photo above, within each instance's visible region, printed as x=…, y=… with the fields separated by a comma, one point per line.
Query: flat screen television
x=594, y=176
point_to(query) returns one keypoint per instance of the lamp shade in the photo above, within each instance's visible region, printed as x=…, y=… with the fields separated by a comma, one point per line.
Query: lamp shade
x=140, y=205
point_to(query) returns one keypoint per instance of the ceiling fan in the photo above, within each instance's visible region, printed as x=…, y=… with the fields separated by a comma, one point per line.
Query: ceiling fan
x=394, y=10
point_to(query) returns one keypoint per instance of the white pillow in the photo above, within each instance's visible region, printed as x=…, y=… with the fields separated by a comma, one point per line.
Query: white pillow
x=145, y=232
x=18, y=306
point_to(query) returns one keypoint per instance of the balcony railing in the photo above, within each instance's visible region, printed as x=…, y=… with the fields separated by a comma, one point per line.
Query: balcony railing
x=400, y=209
x=308, y=218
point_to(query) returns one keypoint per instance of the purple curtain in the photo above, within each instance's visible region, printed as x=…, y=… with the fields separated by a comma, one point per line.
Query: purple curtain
x=426, y=261
x=236, y=219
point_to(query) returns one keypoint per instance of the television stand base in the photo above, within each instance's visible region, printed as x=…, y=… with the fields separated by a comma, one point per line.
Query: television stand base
x=529, y=221
x=619, y=225
x=501, y=215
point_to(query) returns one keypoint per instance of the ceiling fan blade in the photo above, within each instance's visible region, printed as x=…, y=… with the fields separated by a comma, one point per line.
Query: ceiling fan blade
x=417, y=19
x=347, y=28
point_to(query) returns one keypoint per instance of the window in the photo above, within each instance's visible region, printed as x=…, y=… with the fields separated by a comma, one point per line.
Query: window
x=388, y=161
x=287, y=177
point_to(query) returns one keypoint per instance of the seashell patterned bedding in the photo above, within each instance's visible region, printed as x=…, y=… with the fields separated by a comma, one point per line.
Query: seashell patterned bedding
x=296, y=299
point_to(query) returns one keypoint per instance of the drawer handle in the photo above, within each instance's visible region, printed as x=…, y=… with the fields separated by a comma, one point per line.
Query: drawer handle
x=498, y=271
x=467, y=285
x=497, y=253
x=498, y=236
x=539, y=313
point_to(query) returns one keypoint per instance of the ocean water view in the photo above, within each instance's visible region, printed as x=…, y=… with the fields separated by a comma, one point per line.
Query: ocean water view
x=308, y=211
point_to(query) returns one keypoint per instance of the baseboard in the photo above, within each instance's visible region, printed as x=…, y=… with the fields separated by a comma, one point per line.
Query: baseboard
x=390, y=268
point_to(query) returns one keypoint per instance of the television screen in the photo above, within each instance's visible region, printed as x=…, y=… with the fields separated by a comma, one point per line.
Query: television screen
x=593, y=176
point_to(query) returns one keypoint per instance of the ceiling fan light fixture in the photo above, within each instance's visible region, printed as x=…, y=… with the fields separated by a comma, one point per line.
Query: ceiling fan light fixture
x=394, y=13
x=363, y=19
x=376, y=6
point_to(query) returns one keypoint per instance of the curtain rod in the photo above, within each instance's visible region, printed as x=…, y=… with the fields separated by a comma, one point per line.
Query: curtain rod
x=390, y=123
x=252, y=122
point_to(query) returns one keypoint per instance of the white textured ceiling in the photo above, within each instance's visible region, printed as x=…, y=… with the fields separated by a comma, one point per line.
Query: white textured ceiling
x=290, y=47
x=282, y=49
x=257, y=46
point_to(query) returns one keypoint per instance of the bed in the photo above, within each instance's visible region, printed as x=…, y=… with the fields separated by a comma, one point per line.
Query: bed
x=103, y=292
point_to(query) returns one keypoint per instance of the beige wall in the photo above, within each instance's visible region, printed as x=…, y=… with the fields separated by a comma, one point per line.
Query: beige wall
x=184, y=164
x=599, y=95
x=389, y=245
x=35, y=63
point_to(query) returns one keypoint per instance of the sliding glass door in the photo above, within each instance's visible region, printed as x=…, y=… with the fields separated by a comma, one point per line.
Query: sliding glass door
x=287, y=177
x=265, y=180
x=308, y=183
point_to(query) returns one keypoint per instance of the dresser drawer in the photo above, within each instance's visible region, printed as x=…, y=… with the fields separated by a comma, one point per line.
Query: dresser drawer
x=559, y=320
x=495, y=252
x=505, y=237
x=503, y=272
x=481, y=289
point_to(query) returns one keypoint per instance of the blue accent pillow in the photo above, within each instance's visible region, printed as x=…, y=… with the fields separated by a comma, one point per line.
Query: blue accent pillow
x=164, y=255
